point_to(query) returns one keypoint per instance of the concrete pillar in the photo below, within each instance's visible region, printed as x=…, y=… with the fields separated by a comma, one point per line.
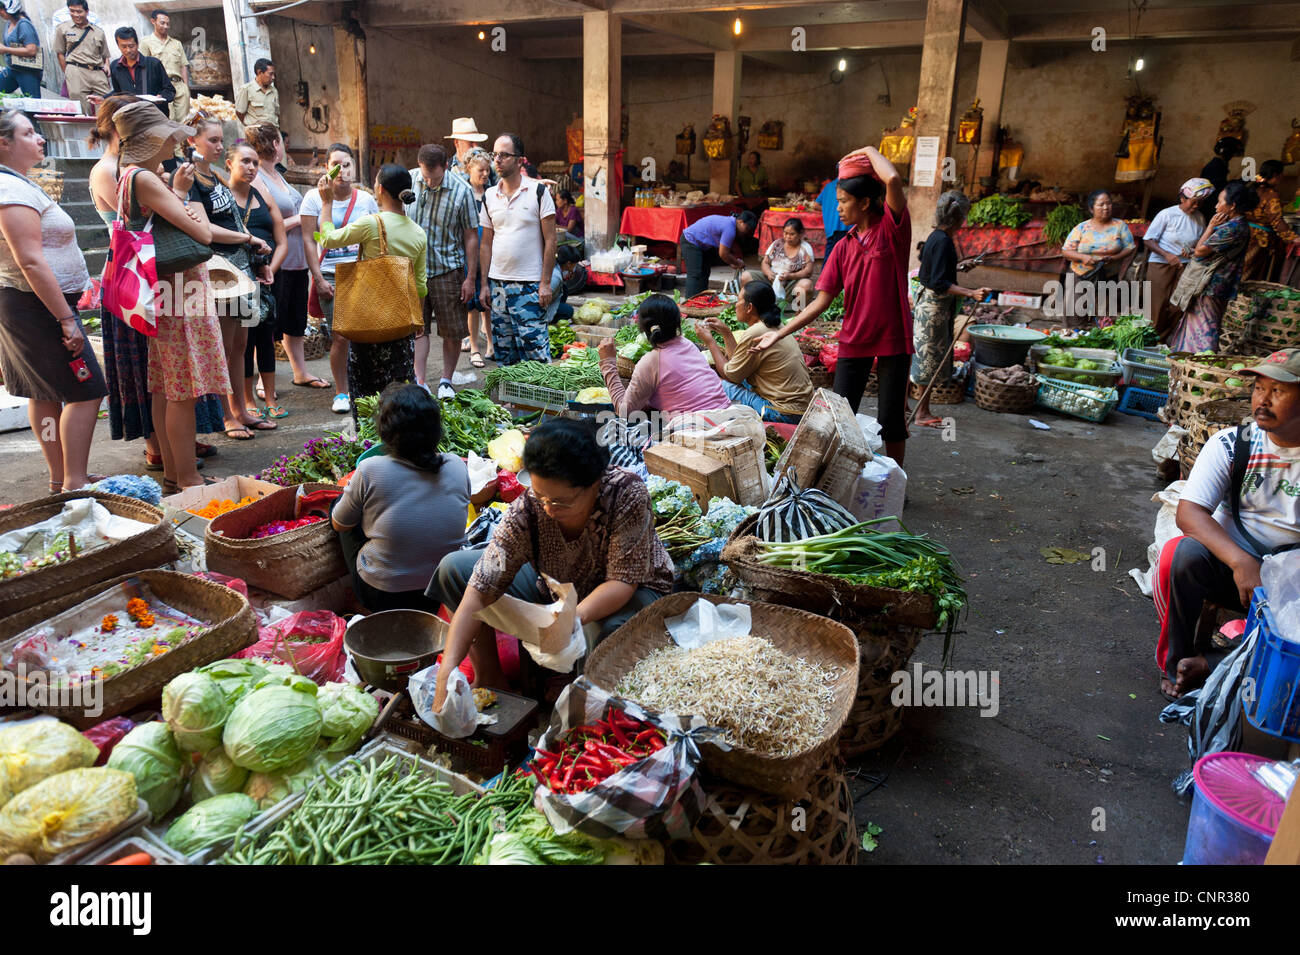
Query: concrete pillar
x=726, y=102
x=247, y=39
x=945, y=21
x=989, y=88
x=353, y=105
x=602, y=124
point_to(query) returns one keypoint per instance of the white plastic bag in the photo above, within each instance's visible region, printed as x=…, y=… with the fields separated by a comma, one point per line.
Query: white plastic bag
x=1280, y=576
x=459, y=716
x=1166, y=448
x=482, y=472
x=880, y=491
x=563, y=660
x=871, y=431
x=1166, y=530
x=706, y=621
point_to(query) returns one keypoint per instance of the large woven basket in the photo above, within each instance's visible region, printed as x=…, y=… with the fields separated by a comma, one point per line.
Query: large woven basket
x=50, y=180
x=883, y=651
x=1209, y=418
x=743, y=827
x=1258, y=321
x=692, y=311
x=820, y=593
x=795, y=632
x=152, y=548
x=315, y=344
x=943, y=393
x=292, y=564
x=821, y=378
x=1208, y=375
x=231, y=626
x=626, y=366
x=992, y=395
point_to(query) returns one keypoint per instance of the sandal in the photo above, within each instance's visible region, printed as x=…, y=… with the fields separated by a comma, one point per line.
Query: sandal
x=56, y=488
x=153, y=462
x=260, y=391
x=319, y=384
x=464, y=345
x=274, y=411
x=241, y=433
x=202, y=450
x=476, y=359
x=254, y=411
x=262, y=425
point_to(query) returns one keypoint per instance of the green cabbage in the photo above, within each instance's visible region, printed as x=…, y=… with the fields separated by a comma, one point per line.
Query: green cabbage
x=195, y=707
x=272, y=728
x=149, y=753
x=235, y=677
x=210, y=823
x=270, y=788
x=347, y=712
x=66, y=810
x=281, y=674
x=34, y=751
x=217, y=775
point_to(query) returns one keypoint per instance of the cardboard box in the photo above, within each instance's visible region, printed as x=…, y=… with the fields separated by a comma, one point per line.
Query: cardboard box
x=738, y=453
x=828, y=450
x=705, y=477
x=177, y=506
x=1020, y=299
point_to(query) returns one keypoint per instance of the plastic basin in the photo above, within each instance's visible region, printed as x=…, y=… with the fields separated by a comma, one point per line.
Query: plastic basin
x=1000, y=346
x=1234, y=816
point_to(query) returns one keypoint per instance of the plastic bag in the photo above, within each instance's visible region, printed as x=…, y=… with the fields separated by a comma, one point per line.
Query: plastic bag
x=880, y=491
x=319, y=657
x=871, y=431
x=34, y=751
x=234, y=583
x=65, y=811
x=563, y=660
x=657, y=797
x=459, y=716
x=106, y=735
x=1280, y=576
x=482, y=472
x=480, y=531
x=1166, y=530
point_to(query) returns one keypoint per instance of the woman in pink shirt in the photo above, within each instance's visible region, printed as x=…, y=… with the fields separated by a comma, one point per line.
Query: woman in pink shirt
x=869, y=265
x=674, y=378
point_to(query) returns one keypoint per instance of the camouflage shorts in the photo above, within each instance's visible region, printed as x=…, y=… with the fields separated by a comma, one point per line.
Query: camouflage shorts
x=518, y=323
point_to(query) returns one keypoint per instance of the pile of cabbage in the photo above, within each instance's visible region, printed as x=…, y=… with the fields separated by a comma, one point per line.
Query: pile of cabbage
x=593, y=311
x=239, y=728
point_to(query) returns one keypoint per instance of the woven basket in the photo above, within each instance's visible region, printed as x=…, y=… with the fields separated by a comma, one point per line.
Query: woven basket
x=231, y=626
x=809, y=346
x=50, y=180
x=742, y=827
x=152, y=548
x=943, y=393
x=1210, y=417
x=821, y=378
x=625, y=367
x=883, y=651
x=801, y=634
x=1207, y=374
x=692, y=311
x=872, y=388
x=992, y=395
x=821, y=593
x=1261, y=325
x=292, y=564
x=315, y=344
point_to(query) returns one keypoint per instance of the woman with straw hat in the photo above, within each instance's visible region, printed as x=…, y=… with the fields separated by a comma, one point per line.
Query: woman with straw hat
x=186, y=359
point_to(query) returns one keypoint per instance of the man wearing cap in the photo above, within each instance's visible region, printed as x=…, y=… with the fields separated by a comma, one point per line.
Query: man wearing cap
x=141, y=75
x=82, y=49
x=465, y=136
x=1241, y=503
x=169, y=51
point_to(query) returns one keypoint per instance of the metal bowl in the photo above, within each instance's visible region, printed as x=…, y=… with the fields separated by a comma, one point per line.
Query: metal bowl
x=387, y=647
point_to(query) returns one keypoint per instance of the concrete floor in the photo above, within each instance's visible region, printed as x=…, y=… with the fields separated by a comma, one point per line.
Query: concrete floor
x=1069, y=644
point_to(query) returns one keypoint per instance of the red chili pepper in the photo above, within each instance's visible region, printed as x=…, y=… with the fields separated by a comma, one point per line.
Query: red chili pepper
x=644, y=735
x=568, y=777
x=545, y=754
x=620, y=736
x=655, y=743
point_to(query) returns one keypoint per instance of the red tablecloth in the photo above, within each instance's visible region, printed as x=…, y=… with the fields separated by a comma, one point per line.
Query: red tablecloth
x=665, y=225
x=1023, y=248
x=772, y=222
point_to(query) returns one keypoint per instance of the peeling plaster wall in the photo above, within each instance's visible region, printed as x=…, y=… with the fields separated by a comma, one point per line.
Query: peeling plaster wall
x=292, y=63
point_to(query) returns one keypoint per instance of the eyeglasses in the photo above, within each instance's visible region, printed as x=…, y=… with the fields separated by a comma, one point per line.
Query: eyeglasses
x=553, y=505
x=505, y=155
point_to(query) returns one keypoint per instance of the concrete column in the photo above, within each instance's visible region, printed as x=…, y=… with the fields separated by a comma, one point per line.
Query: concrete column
x=945, y=20
x=353, y=114
x=989, y=88
x=726, y=102
x=247, y=39
x=602, y=99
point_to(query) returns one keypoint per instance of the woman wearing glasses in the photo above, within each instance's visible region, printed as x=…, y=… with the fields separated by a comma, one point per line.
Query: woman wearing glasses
x=581, y=522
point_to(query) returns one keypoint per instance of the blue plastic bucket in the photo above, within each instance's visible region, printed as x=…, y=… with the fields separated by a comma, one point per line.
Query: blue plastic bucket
x=1234, y=816
x=1272, y=696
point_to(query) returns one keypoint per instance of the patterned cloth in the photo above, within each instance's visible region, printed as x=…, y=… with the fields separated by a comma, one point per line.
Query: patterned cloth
x=932, y=329
x=443, y=304
x=1228, y=242
x=372, y=368
x=1198, y=329
x=1090, y=240
x=779, y=258
x=126, y=370
x=518, y=323
x=618, y=543
x=186, y=359
x=1269, y=231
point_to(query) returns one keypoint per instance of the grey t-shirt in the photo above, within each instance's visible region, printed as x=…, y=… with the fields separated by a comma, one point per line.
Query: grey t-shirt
x=412, y=519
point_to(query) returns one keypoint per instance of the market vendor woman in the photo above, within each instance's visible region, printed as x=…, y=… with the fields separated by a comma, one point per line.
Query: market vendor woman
x=581, y=522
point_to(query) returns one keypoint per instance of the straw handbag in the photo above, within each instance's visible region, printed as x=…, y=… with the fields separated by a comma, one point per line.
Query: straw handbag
x=375, y=300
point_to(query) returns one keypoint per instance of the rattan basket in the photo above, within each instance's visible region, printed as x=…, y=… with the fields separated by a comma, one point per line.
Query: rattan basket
x=993, y=395
x=943, y=393
x=821, y=378
x=872, y=388
x=231, y=626
x=152, y=548
x=315, y=344
x=1207, y=374
x=883, y=651
x=742, y=827
x=292, y=564
x=625, y=367
x=796, y=632
x=821, y=593
x=1210, y=417
x=1257, y=324
x=50, y=180
x=692, y=311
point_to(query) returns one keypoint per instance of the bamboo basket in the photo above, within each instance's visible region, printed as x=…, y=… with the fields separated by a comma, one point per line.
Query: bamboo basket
x=945, y=393
x=872, y=388
x=292, y=564
x=796, y=632
x=693, y=311
x=883, y=651
x=1256, y=324
x=593, y=335
x=315, y=344
x=1001, y=397
x=231, y=626
x=625, y=367
x=1207, y=374
x=821, y=593
x=50, y=180
x=821, y=378
x=152, y=548
x=1210, y=417
x=742, y=827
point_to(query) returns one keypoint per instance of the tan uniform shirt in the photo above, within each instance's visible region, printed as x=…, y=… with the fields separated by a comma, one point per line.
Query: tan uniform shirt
x=258, y=105
x=170, y=52
x=92, y=51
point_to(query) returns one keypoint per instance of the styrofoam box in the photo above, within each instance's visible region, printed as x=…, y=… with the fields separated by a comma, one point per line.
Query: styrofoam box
x=13, y=412
x=1017, y=298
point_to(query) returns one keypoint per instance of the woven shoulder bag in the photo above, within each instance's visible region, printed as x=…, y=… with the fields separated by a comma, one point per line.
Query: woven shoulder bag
x=375, y=300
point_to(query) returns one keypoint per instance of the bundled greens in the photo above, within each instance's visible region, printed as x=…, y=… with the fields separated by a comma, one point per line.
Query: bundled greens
x=1060, y=221
x=572, y=375
x=1128, y=331
x=470, y=419
x=998, y=210
x=560, y=334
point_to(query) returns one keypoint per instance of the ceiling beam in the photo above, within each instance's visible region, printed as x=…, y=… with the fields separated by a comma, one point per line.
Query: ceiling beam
x=1160, y=23
x=844, y=36
x=317, y=12
x=640, y=44
x=988, y=19
x=700, y=30
x=422, y=13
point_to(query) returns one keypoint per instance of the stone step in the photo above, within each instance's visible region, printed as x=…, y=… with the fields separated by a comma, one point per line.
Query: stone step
x=82, y=211
x=92, y=235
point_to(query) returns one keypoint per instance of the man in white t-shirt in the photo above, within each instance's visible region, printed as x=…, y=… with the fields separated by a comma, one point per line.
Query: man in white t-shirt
x=1240, y=504
x=517, y=249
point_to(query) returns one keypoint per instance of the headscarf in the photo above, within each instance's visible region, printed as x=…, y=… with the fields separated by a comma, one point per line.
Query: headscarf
x=13, y=7
x=1196, y=189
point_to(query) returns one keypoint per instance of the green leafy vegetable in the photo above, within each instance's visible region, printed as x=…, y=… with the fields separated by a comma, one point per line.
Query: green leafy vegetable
x=998, y=210
x=150, y=754
x=210, y=823
x=272, y=728
x=1060, y=221
x=195, y=708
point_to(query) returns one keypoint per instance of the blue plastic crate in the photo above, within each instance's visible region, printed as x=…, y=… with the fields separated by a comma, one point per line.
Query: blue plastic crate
x=1274, y=701
x=1143, y=403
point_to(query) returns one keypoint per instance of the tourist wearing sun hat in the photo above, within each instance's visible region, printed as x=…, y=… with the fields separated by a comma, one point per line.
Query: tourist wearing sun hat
x=186, y=358
x=465, y=136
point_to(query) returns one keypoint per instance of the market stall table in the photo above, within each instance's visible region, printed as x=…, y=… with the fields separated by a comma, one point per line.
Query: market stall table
x=774, y=220
x=1023, y=248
